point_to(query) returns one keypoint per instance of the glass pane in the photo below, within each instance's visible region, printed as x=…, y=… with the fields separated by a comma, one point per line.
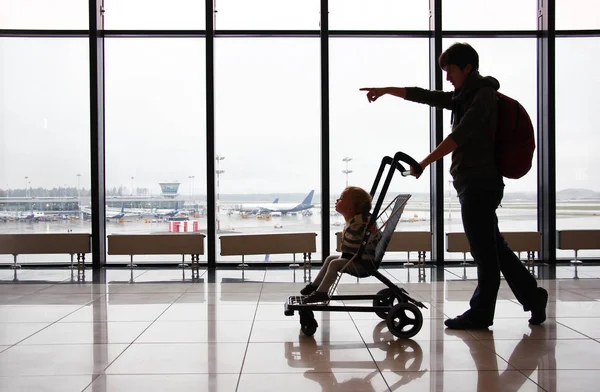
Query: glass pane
x=154, y=15
x=366, y=132
x=155, y=137
x=44, y=14
x=378, y=15
x=577, y=14
x=577, y=139
x=268, y=129
x=518, y=81
x=489, y=15
x=45, y=139
x=268, y=14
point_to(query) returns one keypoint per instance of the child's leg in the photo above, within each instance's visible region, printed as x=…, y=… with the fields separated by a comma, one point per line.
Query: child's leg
x=331, y=274
x=317, y=281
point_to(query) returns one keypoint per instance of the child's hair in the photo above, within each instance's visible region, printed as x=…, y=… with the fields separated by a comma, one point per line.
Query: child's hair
x=460, y=54
x=361, y=200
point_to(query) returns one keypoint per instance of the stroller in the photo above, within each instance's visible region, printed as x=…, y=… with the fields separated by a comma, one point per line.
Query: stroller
x=393, y=304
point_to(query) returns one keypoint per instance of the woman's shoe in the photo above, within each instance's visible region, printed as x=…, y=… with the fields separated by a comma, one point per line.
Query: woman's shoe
x=538, y=312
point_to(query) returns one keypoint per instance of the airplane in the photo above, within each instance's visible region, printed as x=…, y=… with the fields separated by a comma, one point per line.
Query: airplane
x=166, y=212
x=118, y=215
x=283, y=208
x=112, y=213
x=30, y=216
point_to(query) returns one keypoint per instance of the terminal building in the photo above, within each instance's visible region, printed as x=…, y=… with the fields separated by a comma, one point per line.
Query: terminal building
x=169, y=198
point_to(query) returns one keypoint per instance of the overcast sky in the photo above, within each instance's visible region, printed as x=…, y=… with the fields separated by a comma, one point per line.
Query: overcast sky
x=267, y=92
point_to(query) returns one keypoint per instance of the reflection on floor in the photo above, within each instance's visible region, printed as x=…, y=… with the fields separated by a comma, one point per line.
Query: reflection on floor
x=156, y=330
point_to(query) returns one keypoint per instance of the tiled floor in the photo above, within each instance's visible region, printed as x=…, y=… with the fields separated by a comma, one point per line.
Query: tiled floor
x=159, y=331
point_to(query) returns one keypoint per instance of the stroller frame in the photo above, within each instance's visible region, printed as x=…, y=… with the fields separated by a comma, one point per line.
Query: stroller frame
x=392, y=303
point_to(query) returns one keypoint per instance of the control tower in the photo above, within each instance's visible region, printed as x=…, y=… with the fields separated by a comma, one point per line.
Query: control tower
x=169, y=189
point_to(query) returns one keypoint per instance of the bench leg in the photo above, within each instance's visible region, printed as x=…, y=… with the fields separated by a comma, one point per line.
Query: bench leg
x=421, y=267
x=243, y=265
x=195, y=267
x=464, y=263
x=408, y=263
x=294, y=264
x=131, y=265
x=307, y=266
x=15, y=265
x=531, y=262
x=80, y=266
x=575, y=263
x=183, y=264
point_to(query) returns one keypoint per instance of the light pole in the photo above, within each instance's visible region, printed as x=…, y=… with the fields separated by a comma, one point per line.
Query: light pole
x=78, y=188
x=218, y=158
x=132, y=185
x=26, y=178
x=347, y=171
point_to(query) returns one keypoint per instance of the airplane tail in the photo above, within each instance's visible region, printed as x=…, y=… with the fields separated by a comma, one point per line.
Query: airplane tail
x=122, y=208
x=177, y=206
x=308, y=199
x=276, y=200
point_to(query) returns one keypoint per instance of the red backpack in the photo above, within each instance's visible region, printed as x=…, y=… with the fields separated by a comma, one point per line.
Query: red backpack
x=514, y=138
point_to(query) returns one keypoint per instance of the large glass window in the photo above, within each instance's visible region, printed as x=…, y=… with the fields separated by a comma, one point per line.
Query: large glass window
x=378, y=15
x=267, y=14
x=155, y=137
x=362, y=133
x=154, y=15
x=489, y=15
x=44, y=14
x=267, y=126
x=577, y=139
x=577, y=14
x=512, y=62
x=45, y=137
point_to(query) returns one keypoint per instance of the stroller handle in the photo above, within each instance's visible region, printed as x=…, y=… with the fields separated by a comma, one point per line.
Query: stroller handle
x=402, y=157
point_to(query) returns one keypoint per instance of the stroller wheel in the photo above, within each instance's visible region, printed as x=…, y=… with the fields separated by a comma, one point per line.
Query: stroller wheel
x=404, y=320
x=388, y=299
x=308, y=324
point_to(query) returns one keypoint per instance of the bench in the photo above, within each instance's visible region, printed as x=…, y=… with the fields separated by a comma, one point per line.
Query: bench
x=576, y=240
x=47, y=243
x=520, y=241
x=268, y=244
x=159, y=244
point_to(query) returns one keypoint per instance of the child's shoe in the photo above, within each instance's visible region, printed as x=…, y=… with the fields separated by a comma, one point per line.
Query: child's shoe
x=317, y=296
x=308, y=290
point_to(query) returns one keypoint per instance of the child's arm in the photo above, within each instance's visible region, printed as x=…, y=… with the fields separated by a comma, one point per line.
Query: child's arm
x=353, y=236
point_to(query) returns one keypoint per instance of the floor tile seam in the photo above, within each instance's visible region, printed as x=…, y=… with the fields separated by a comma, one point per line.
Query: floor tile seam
x=509, y=366
x=446, y=269
x=573, y=329
x=237, y=385
x=128, y=345
x=369, y=351
x=54, y=322
x=515, y=339
x=94, y=378
x=570, y=290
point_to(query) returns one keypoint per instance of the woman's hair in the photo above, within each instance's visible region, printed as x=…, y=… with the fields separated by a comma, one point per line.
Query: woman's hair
x=360, y=199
